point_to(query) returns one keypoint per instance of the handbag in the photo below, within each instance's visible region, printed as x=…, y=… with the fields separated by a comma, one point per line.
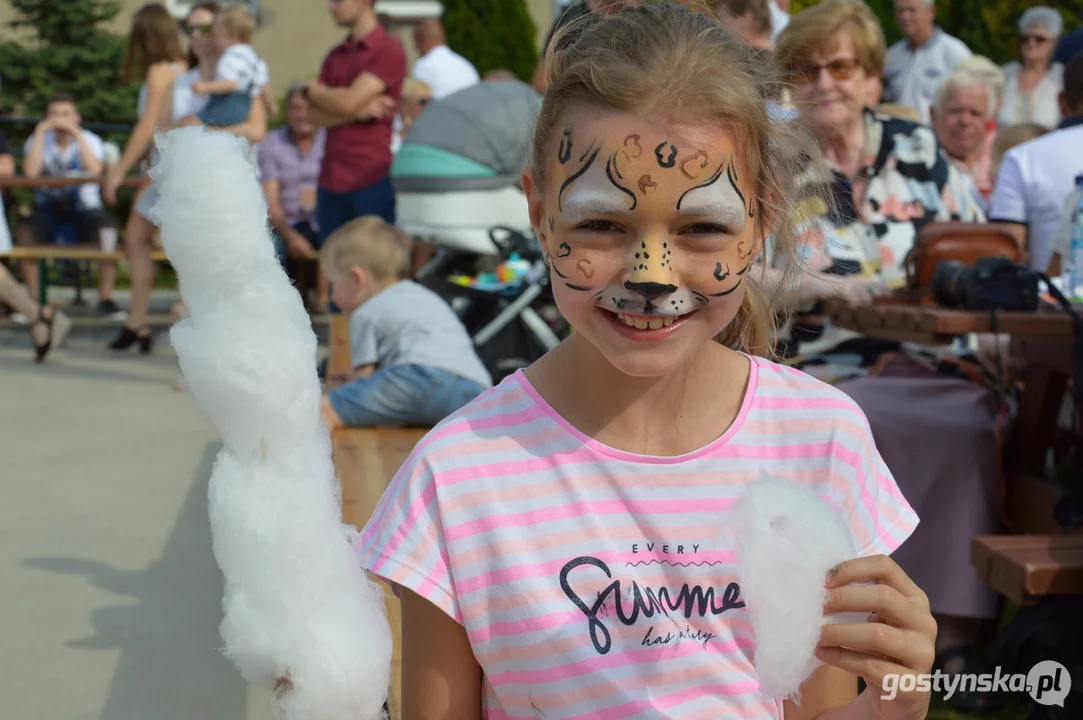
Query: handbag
x=965, y=242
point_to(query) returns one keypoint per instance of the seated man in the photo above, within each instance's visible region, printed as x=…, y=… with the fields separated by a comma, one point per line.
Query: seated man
x=1036, y=178
x=413, y=361
x=59, y=147
x=961, y=112
x=289, y=162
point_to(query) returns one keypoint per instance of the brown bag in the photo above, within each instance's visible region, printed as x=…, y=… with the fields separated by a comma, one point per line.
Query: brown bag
x=965, y=242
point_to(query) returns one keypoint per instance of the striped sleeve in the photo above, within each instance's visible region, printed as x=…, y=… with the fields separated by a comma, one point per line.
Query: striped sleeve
x=403, y=542
x=882, y=519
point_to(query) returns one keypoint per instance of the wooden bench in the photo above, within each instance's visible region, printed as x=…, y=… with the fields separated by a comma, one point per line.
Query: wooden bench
x=77, y=253
x=1026, y=568
x=366, y=460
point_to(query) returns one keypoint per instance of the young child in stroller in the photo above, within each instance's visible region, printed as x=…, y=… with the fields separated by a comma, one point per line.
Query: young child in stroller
x=413, y=361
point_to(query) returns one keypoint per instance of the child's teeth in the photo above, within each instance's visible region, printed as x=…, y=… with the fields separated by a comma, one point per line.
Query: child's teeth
x=643, y=324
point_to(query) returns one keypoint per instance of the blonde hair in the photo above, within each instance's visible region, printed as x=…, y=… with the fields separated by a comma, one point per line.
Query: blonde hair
x=670, y=63
x=371, y=243
x=898, y=110
x=817, y=29
x=238, y=23
x=1010, y=136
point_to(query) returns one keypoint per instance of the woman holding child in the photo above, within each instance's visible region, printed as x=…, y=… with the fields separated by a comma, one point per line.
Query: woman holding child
x=165, y=99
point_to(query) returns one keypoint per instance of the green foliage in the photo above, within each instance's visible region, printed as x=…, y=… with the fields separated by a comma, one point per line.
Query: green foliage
x=492, y=34
x=63, y=48
x=66, y=51
x=988, y=27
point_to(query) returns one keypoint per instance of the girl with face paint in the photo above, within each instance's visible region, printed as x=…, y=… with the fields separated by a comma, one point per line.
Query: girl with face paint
x=555, y=543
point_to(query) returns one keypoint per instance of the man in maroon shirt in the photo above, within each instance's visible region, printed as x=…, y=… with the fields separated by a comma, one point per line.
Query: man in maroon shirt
x=359, y=86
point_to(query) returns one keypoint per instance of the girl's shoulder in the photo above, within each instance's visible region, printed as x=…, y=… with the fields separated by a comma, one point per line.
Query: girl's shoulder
x=796, y=392
x=479, y=428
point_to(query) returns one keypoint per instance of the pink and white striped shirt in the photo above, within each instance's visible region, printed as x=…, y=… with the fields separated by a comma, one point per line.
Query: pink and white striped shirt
x=594, y=583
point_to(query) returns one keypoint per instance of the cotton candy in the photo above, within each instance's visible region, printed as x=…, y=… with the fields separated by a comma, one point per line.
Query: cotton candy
x=296, y=602
x=787, y=538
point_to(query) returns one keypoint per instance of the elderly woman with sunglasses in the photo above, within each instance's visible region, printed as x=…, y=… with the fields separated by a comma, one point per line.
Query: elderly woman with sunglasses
x=887, y=175
x=1031, y=87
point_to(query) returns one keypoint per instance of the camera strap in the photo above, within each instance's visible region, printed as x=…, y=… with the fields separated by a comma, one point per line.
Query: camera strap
x=1077, y=349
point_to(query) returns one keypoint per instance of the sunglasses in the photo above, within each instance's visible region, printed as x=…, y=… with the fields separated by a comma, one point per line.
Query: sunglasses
x=202, y=29
x=840, y=69
x=1036, y=39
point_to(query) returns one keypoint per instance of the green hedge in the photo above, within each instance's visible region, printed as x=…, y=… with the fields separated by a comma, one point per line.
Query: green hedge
x=988, y=27
x=492, y=34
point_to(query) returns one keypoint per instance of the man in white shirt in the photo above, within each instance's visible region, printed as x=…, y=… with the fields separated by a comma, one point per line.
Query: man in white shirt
x=916, y=64
x=1036, y=178
x=60, y=147
x=445, y=71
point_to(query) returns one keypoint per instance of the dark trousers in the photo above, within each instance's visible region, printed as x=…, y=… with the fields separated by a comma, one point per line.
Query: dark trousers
x=333, y=210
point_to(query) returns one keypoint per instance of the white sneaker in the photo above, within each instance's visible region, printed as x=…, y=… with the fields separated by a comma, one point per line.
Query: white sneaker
x=19, y=319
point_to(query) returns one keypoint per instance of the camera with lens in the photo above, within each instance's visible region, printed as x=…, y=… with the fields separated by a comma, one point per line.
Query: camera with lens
x=993, y=283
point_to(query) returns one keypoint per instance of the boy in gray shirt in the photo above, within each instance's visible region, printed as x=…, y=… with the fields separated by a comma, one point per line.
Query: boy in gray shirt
x=413, y=361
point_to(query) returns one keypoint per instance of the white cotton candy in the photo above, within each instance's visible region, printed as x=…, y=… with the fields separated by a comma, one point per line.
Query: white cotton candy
x=296, y=601
x=787, y=538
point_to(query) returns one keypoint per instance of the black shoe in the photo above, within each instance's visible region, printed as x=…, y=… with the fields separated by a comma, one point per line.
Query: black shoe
x=58, y=324
x=129, y=337
x=108, y=307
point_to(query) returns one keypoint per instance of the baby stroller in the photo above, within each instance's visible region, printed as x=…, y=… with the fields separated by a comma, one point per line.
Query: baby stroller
x=456, y=181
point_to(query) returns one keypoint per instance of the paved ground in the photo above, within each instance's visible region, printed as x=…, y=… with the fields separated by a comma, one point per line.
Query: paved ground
x=109, y=593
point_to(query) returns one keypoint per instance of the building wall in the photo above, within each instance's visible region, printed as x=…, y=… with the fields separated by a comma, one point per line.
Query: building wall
x=296, y=34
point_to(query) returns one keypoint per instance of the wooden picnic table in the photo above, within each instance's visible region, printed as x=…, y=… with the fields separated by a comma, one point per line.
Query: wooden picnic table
x=931, y=325
x=21, y=181
x=1037, y=559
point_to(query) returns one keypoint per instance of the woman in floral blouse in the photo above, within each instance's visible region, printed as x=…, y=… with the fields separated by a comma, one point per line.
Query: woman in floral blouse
x=887, y=175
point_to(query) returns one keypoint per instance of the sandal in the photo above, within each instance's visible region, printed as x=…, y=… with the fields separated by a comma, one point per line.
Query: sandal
x=58, y=325
x=968, y=699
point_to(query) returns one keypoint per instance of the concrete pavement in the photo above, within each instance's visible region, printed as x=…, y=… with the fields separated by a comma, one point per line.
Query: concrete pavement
x=109, y=592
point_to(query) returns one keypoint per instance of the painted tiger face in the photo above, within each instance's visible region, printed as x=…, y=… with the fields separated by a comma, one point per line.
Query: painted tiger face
x=649, y=231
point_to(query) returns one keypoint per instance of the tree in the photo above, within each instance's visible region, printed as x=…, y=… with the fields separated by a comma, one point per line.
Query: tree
x=988, y=27
x=492, y=34
x=65, y=49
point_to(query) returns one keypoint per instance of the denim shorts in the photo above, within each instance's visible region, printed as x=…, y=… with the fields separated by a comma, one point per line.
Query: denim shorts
x=403, y=395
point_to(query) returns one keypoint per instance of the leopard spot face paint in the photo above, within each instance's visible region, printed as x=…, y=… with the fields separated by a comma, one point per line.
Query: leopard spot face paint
x=651, y=226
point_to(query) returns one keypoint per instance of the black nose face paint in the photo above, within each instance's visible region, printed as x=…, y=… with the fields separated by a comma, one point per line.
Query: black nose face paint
x=650, y=290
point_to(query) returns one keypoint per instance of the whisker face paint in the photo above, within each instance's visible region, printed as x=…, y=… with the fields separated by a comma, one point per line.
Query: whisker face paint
x=655, y=224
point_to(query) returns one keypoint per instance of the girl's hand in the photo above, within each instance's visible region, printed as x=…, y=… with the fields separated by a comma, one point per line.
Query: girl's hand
x=899, y=638
x=112, y=181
